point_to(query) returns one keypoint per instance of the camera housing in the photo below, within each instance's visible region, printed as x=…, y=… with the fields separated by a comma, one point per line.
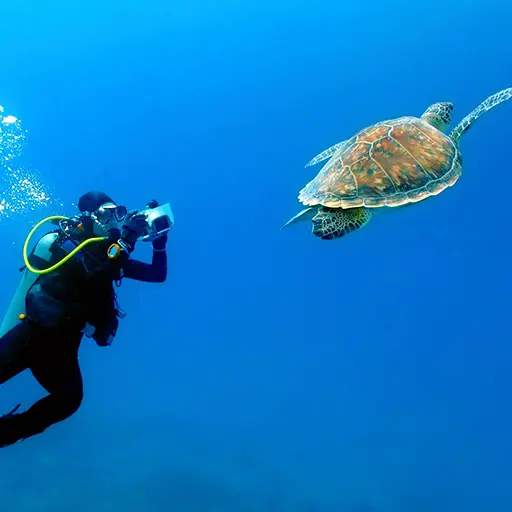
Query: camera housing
x=159, y=221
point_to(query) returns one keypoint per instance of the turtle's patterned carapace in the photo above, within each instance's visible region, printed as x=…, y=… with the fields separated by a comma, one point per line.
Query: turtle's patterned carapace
x=388, y=164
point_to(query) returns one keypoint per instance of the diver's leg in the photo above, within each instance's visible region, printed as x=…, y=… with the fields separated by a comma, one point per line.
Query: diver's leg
x=14, y=351
x=55, y=366
x=57, y=370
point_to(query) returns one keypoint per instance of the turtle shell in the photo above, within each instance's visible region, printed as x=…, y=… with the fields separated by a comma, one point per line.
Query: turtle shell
x=391, y=163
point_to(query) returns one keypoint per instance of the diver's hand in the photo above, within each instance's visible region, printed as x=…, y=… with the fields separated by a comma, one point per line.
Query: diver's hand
x=160, y=242
x=133, y=227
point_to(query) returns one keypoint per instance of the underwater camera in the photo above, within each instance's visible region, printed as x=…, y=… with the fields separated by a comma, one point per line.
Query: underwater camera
x=159, y=220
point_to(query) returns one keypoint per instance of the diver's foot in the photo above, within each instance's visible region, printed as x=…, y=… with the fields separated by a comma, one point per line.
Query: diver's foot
x=10, y=428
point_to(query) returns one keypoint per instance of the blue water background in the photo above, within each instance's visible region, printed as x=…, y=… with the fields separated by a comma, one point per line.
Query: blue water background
x=272, y=371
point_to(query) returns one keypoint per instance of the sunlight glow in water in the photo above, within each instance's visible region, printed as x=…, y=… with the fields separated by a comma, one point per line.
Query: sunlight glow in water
x=21, y=191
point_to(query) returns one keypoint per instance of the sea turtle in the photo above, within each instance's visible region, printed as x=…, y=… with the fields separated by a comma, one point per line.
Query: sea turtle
x=391, y=163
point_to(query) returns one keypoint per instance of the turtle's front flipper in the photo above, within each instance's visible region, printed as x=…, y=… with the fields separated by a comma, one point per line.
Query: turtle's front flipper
x=303, y=215
x=330, y=223
x=324, y=155
x=486, y=105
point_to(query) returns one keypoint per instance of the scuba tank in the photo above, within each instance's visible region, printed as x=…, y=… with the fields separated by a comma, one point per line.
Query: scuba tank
x=16, y=312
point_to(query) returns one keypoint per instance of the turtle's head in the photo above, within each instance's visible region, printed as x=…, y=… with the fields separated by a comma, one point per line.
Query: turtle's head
x=439, y=115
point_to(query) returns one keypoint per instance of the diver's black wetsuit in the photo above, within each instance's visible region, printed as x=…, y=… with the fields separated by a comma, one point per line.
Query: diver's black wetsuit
x=51, y=353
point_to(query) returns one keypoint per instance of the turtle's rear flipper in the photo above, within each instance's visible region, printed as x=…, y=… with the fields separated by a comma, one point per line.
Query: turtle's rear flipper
x=302, y=216
x=330, y=223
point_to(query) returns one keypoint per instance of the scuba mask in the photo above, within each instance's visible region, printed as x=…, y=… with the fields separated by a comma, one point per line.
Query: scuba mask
x=108, y=217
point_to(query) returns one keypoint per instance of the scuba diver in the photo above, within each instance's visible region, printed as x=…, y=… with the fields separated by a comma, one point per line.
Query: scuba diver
x=66, y=292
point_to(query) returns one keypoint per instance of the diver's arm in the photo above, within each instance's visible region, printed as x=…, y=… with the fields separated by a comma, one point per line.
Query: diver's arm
x=154, y=272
